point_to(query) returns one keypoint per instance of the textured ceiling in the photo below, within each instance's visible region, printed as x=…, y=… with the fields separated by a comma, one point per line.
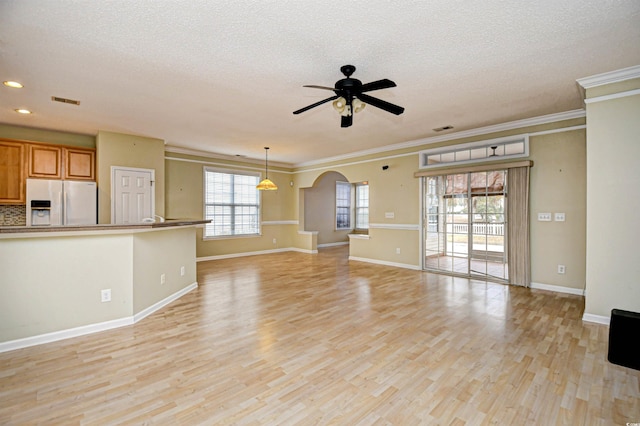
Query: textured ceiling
x=225, y=76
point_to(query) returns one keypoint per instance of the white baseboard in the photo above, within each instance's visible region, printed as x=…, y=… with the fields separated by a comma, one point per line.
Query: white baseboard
x=385, y=263
x=255, y=253
x=341, y=243
x=243, y=254
x=299, y=250
x=598, y=319
x=558, y=288
x=164, y=302
x=92, y=328
x=64, y=334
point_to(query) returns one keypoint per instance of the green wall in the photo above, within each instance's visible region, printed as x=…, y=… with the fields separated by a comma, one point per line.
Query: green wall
x=558, y=184
x=46, y=136
x=613, y=179
x=184, y=200
x=117, y=149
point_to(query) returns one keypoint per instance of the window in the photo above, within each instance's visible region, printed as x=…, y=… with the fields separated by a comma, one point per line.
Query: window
x=343, y=205
x=232, y=203
x=362, y=206
x=475, y=152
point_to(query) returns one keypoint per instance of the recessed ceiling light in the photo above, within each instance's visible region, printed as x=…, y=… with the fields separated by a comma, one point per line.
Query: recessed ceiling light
x=13, y=84
x=23, y=111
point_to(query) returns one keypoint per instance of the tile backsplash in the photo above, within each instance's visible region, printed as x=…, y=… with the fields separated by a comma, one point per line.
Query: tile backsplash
x=13, y=215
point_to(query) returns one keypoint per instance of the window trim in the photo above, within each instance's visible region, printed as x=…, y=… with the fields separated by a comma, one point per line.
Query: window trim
x=356, y=207
x=257, y=175
x=350, y=206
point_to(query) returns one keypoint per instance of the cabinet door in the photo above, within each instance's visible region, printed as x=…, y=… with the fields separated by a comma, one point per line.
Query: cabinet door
x=45, y=161
x=12, y=179
x=79, y=164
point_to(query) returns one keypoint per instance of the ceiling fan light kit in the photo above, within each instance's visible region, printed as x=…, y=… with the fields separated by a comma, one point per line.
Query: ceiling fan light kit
x=350, y=97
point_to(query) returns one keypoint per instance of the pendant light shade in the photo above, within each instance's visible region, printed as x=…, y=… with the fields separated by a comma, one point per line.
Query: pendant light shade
x=358, y=105
x=340, y=104
x=345, y=109
x=266, y=184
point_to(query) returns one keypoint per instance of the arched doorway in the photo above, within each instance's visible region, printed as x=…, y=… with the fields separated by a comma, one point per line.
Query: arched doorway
x=320, y=210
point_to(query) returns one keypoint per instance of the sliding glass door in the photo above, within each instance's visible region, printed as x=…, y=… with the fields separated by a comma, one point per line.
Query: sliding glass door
x=465, y=223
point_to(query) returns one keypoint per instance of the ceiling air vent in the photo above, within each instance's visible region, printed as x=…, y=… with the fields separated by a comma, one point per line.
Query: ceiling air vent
x=64, y=100
x=439, y=129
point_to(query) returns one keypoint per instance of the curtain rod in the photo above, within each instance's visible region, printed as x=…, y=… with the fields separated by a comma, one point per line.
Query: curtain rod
x=473, y=168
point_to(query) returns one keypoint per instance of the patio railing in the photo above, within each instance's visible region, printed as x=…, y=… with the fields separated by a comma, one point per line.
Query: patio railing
x=463, y=228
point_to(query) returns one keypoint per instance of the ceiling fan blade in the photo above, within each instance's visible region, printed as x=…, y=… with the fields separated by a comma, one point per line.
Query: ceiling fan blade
x=313, y=86
x=377, y=85
x=346, y=121
x=315, y=105
x=379, y=103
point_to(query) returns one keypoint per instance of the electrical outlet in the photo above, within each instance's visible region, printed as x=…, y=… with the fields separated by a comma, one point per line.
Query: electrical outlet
x=274, y=241
x=105, y=295
x=561, y=269
x=389, y=215
x=544, y=217
x=398, y=250
x=163, y=278
x=182, y=271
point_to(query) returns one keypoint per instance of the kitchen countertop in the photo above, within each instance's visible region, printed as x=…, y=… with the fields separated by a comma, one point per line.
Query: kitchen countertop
x=101, y=227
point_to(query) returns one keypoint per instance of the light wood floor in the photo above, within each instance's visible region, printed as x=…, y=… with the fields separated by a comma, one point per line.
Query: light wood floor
x=292, y=338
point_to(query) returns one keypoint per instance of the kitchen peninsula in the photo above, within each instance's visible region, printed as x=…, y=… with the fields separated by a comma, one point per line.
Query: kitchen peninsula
x=55, y=281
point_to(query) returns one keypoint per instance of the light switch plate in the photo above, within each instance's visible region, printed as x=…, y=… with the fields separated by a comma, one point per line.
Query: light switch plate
x=389, y=215
x=544, y=217
x=559, y=217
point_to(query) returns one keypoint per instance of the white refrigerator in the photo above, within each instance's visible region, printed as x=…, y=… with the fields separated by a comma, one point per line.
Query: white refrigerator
x=61, y=202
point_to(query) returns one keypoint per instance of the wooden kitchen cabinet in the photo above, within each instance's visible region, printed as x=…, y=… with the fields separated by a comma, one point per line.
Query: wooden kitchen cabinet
x=60, y=162
x=45, y=161
x=20, y=160
x=79, y=164
x=12, y=173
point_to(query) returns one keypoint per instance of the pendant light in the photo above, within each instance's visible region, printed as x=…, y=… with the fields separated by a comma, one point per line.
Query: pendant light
x=266, y=184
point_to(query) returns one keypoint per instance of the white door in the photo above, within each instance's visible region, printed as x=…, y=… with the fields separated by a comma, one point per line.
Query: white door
x=132, y=195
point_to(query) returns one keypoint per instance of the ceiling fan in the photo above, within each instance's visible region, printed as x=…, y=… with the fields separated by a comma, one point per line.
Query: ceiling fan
x=350, y=98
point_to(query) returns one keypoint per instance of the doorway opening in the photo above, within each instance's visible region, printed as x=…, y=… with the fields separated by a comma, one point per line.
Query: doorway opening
x=465, y=224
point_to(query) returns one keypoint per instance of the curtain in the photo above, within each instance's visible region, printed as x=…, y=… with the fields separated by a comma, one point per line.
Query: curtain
x=481, y=182
x=518, y=252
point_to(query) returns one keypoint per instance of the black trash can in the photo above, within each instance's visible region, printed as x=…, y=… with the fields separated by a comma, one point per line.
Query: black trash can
x=624, y=338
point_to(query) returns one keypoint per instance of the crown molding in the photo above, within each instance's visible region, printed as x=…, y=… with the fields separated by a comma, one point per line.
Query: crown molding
x=612, y=96
x=610, y=77
x=511, y=125
x=234, y=158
